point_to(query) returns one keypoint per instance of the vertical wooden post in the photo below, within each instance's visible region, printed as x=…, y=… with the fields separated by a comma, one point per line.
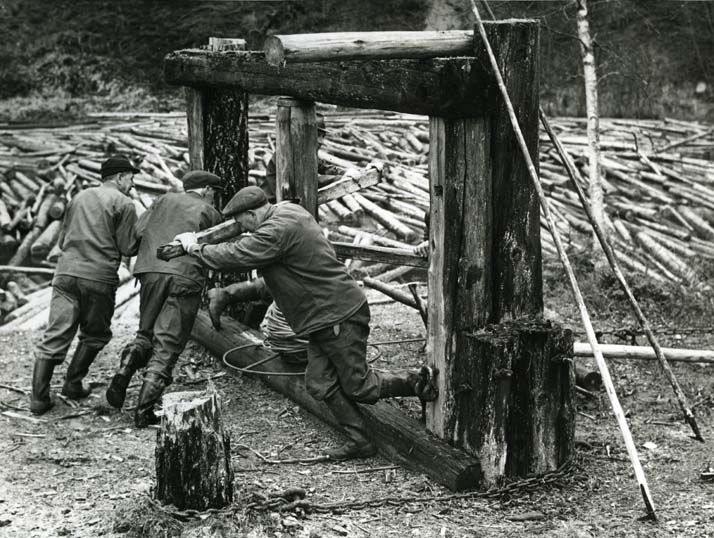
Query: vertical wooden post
x=296, y=153
x=460, y=237
x=516, y=237
x=218, y=130
x=485, y=268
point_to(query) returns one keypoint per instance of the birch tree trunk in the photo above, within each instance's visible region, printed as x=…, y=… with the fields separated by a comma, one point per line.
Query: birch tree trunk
x=591, y=107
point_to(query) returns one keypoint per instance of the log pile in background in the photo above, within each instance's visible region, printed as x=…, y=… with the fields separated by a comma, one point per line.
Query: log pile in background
x=659, y=185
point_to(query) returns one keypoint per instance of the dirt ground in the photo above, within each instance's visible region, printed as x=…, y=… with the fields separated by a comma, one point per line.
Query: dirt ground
x=84, y=470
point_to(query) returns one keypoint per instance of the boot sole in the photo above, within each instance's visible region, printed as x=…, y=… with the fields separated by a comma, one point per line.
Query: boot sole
x=116, y=393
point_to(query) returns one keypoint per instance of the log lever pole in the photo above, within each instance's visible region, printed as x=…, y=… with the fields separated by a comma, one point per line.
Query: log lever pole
x=610, y=254
x=585, y=316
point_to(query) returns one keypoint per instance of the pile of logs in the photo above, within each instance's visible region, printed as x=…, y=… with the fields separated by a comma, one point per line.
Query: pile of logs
x=659, y=186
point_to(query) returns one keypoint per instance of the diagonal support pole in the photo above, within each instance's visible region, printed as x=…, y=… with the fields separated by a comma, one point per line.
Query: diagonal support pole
x=610, y=254
x=585, y=316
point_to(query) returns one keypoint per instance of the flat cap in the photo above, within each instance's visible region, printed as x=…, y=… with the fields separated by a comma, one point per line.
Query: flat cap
x=245, y=199
x=116, y=165
x=195, y=179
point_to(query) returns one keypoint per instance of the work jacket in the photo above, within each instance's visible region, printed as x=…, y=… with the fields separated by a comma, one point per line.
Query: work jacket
x=98, y=229
x=309, y=285
x=172, y=214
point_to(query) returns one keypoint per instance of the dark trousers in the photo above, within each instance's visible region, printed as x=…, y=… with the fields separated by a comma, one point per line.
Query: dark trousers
x=168, y=307
x=337, y=358
x=77, y=303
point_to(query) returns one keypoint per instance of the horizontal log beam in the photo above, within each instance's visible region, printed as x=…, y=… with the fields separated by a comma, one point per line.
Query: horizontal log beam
x=351, y=182
x=393, y=256
x=281, y=49
x=438, y=87
x=398, y=437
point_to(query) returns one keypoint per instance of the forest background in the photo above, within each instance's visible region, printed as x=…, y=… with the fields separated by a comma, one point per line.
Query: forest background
x=64, y=58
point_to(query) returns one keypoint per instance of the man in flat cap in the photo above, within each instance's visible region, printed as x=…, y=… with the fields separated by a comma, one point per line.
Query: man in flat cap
x=170, y=292
x=97, y=231
x=320, y=301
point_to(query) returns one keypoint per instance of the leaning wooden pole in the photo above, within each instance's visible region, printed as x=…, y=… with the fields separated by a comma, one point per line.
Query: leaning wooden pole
x=610, y=254
x=606, y=378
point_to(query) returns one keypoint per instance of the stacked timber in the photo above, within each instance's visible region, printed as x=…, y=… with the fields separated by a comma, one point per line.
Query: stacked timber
x=658, y=175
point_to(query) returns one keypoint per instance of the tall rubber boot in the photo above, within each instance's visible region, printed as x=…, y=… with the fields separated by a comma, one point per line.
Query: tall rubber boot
x=240, y=292
x=40, y=401
x=132, y=359
x=420, y=383
x=358, y=443
x=74, y=388
x=150, y=393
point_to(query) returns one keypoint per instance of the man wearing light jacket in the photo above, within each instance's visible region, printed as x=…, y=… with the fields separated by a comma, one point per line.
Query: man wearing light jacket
x=97, y=231
x=170, y=292
x=320, y=301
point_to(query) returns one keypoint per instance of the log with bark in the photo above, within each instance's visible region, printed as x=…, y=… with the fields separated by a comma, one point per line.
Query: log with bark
x=193, y=453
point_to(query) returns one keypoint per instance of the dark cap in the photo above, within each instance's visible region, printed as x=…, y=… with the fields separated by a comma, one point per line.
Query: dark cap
x=116, y=165
x=195, y=179
x=245, y=199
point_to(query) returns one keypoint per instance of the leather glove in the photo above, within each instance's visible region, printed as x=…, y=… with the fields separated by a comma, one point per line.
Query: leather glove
x=187, y=240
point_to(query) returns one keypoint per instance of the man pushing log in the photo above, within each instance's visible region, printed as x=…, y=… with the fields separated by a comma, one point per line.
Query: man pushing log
x=320, y=301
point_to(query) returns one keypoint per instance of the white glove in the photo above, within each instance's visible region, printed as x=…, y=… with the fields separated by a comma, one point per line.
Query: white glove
x=187, y=239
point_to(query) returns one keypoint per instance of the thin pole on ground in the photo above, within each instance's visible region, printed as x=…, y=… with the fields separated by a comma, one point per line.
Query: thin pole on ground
x=610, y=254
x=604, y=372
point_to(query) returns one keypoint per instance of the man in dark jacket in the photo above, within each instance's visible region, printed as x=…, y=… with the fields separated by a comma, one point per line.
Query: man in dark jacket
x=320, y=301
x=170, y=292
x=98, y=229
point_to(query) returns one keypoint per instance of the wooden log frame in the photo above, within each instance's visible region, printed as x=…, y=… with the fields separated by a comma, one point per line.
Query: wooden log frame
x=398, y=437
x=454, y=87
x=281, y=49
x=487, y=268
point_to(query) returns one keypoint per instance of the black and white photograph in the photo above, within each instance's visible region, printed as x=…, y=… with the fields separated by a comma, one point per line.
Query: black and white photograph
x=375, y=268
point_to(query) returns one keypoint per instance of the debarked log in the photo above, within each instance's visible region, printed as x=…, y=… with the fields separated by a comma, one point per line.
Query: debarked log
x=193, y=456
x=280, y=49
x=400, y=438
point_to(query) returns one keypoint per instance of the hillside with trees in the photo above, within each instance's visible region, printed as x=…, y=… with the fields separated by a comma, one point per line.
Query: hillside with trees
x=655, y=59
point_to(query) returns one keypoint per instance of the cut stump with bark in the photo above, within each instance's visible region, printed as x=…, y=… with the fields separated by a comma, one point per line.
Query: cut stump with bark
x=513, y=407
x=193, y=456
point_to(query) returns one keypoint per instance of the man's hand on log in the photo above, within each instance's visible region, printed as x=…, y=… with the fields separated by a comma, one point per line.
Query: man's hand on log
x=422, y=249
x=187, y=240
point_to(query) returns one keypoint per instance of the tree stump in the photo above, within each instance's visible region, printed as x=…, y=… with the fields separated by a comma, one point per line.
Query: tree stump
x=193, y=456
x=513, y=399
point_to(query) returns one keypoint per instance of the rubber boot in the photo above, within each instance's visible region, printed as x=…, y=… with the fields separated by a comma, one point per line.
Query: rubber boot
x=150, y=393
x=74, y=388
x=240, y=292
x=40, y=402
x=132, y=359
x=358, y=444
x=420, y=383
